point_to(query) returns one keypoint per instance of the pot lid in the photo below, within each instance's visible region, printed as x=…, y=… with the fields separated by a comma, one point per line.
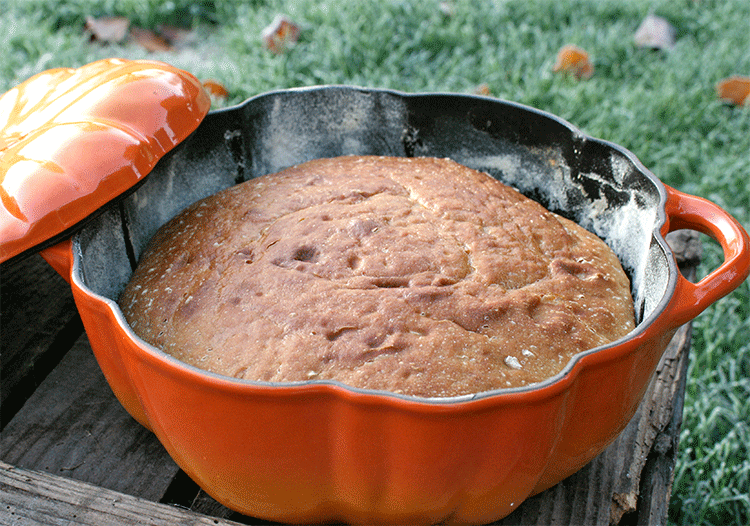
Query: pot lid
x=73, y=140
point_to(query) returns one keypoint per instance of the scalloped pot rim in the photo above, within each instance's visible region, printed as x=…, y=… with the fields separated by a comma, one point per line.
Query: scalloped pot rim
x=547, y=387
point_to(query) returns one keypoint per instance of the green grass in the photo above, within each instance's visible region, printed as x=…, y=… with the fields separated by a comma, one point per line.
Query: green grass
x=659, y=104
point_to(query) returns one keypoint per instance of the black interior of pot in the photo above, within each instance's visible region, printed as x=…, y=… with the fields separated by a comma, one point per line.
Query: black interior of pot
x=599, y=185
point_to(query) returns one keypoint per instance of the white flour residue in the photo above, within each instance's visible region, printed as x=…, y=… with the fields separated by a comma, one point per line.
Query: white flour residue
x=281, y=145
x=620, y=167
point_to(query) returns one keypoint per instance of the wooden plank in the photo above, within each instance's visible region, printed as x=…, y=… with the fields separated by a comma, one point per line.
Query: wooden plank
x=203, y=503
x=74, y=426
x=31, y=296
x=31, y=498
x=38, y=324
x=650, y=478
x=645, y=490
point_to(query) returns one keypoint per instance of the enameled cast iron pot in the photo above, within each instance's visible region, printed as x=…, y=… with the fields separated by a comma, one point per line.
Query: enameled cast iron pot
x=321, y=451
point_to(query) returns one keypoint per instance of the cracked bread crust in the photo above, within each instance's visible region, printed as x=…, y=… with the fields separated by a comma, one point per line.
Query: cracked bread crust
x=417, y=276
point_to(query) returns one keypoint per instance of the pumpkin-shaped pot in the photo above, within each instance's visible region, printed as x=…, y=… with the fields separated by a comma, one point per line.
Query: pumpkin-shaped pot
x=321, y=451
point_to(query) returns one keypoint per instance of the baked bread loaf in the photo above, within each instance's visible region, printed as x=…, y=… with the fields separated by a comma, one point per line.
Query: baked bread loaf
x=417, y=276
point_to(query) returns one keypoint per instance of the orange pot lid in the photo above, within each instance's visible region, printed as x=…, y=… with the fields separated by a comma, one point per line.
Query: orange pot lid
x=72, y=140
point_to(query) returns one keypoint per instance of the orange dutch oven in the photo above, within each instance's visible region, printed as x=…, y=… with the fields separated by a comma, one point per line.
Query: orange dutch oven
x=319, y=451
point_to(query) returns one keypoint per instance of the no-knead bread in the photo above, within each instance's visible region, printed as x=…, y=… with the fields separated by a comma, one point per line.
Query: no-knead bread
x=417, y=276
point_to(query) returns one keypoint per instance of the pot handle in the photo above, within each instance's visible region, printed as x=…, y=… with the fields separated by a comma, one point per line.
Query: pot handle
x=695, y=213
x=60, y=258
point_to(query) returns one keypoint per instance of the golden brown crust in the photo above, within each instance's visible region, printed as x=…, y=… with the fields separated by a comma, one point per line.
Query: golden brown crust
x=416, y=276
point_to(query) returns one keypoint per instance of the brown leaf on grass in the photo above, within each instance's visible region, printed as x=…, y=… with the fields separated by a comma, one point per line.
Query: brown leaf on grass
x=483, y=89
x=149, y=40
x=574, y=60
x=216, y=88
x=280, y=34
x=108, y=28
x=655, y=32
x=114, y=29
x=176, y=36
x=735, y=90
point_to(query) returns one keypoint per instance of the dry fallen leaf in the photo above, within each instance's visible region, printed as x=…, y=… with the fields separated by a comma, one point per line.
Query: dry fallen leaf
x=215, y=88
x=655, y=32
x=734, y=89
x=108, y=28
x=176, y=36
x=149, y=40
x=574, y=60
x=483, y=89
x=113, y=29
x=280, y=34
